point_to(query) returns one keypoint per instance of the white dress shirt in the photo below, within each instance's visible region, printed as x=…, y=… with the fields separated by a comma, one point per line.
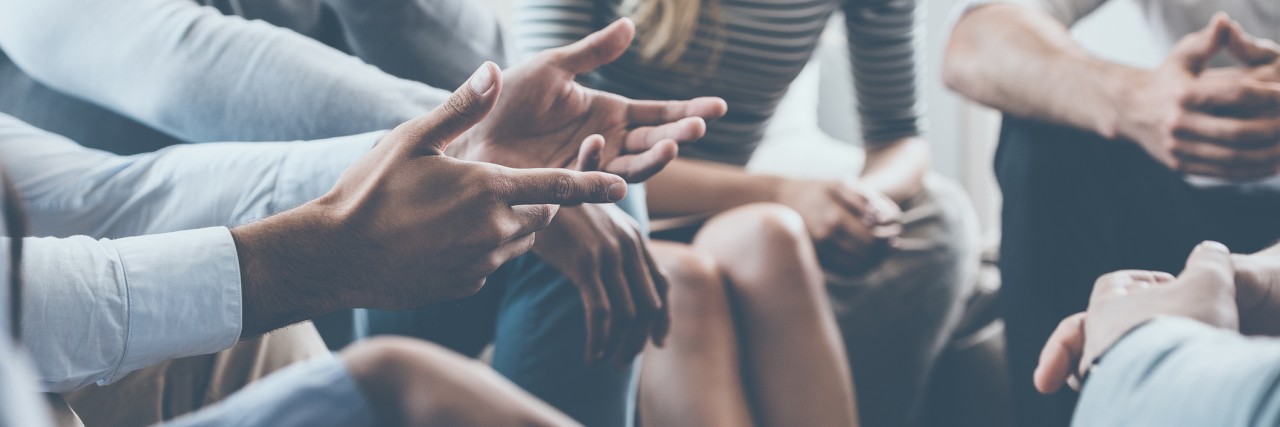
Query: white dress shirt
x=98, y=309
x=1169, y=21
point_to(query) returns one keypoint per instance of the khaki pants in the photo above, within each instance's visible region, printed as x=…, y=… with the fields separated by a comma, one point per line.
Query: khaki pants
x=178, y=386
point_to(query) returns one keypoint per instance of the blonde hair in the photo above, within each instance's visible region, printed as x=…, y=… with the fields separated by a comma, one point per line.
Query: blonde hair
x=667, y=27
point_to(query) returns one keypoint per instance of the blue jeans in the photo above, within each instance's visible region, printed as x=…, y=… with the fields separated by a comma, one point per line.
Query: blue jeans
x=535, y=318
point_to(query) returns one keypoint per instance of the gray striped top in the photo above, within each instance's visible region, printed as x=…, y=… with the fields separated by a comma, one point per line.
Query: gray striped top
x=766, y=43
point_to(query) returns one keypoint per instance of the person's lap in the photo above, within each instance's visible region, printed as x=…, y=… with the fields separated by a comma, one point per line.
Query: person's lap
x=1078, y=206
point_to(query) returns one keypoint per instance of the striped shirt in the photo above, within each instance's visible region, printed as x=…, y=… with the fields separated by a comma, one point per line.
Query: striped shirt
x=763, y=46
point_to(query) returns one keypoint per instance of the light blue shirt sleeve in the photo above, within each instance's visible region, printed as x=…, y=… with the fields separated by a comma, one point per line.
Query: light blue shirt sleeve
x=100, y=303
x=318, y=392
x=1176, y=371
x=201, y=76
x=71, y=190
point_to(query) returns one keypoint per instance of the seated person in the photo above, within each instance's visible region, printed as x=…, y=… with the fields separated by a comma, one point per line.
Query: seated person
x=225, y=79
x=404, y=225
x=768, y=250
x=1105, y=166
x=1202, y=348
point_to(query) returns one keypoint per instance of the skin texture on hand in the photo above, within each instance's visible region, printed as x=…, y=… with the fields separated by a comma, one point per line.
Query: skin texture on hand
x=601, y=250
x=852, y=224
x=1218, y=124
x=1124, y=300
x=414, y=383
x=406, y=225
x=545, y=114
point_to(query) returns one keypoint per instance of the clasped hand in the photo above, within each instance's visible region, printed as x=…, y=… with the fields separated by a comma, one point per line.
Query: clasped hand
x=1222, y=123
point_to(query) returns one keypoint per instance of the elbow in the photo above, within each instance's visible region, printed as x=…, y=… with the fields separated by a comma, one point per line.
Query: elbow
x=956, y=69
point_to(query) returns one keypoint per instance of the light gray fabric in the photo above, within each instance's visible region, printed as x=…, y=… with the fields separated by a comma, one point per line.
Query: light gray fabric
x=134, y=76
x=1179, y=372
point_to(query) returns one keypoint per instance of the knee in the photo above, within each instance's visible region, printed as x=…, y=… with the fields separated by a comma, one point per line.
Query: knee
x=697, y=284
x=756, y=229
x=949, y=229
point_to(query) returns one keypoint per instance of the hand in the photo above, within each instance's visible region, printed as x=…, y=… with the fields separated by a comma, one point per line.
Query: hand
x=545, y=114
x=1123, y=300
x=1258, y=291
x=852, y=224
x=1217, y=124
x=601, y=250
x=406, y=225
x=414, y=383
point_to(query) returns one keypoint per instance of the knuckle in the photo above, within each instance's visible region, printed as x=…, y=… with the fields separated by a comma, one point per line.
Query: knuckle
x=562, y=187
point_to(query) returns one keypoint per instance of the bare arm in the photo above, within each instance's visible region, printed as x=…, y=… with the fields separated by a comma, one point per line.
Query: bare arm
x=897, y=169
x=1002, y=55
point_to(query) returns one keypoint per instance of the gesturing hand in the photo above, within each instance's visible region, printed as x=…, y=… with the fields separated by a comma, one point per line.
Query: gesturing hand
x=544, y=115
x=602, y=251
x=1223, y=124
x=406, y=225
x=1123, y=300
x=853, y=225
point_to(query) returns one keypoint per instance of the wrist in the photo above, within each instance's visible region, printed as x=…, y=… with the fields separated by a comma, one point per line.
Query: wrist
x=1125, y=113
x=287, y=269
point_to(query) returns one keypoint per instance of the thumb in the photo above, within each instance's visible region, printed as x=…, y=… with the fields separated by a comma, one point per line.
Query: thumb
x=597, y=49
x=1194, y=51
x=469, y=104
x=1210, y=258
x=1250, y=50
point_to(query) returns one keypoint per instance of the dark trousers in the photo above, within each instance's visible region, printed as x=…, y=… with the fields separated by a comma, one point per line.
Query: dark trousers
x=1077, y=206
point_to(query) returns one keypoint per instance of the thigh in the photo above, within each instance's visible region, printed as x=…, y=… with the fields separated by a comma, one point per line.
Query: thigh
x=897, y=318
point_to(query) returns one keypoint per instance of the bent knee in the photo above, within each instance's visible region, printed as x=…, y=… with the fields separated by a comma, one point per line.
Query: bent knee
x=763, y=226
x=695, y=277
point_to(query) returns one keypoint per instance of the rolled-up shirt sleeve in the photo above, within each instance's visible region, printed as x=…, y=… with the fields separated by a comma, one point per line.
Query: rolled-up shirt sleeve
x=95, y=310
x=1176, y=371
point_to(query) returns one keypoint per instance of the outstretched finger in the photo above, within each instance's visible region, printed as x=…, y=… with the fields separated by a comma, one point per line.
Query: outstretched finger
x=560, y=187
x=597, y=49
x=1060, y=356
x=652, y=113
x=636, y=168
x=470, y=103
x=686, y=130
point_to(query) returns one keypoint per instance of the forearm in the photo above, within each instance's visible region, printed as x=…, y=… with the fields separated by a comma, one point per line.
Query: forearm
x=897, y=169
x=694, y=186
x=201, y=76
x=1179, y=371
x=292, y=268
x=1024, y=62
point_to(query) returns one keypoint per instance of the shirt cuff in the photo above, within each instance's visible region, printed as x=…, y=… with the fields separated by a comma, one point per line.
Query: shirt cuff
x=320, y=391
x=183, y=293
x=312, y=168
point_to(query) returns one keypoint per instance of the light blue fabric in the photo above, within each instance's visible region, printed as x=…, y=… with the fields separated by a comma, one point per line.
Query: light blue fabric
x=318, y=392
x=1178, y=372
x=99, y=309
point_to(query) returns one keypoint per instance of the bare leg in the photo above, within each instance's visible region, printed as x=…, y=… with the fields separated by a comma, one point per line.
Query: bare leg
x=695, y=379
x=796, y=368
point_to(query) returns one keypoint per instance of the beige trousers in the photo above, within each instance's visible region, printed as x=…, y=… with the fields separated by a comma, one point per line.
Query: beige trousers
x=178, y=386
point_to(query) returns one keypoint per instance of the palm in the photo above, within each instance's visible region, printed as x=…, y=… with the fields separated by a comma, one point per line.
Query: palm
x=543, y=116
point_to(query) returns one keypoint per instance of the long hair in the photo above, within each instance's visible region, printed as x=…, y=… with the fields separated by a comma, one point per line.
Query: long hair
x=666, y=28
x=15, y=226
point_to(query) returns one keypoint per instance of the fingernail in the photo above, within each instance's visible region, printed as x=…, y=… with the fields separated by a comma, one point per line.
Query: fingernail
x=617, y=192
x=1210, y=245
x=482, y=80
